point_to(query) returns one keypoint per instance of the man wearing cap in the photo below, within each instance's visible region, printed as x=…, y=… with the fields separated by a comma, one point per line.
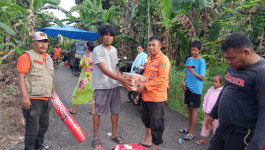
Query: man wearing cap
x=35, y=75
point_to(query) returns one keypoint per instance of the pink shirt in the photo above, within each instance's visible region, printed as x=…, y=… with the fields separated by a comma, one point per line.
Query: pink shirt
x=210, y=99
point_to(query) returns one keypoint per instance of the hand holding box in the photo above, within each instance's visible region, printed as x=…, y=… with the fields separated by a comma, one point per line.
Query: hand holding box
x=135, y=79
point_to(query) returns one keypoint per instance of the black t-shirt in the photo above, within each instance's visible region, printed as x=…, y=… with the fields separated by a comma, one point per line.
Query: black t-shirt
x=242, y=101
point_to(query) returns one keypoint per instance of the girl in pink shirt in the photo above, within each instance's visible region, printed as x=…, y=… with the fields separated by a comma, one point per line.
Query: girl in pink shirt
x=208, y=103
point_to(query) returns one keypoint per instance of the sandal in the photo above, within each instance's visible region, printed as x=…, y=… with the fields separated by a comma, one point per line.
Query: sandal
x=184, y=131
x=95, y=143
x=118, y=140
x=71, y=111
x=145, y=145
x=201, y=142
x=188, y=137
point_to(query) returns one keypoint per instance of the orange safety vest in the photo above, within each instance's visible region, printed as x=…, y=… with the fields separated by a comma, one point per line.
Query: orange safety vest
x=157, y=70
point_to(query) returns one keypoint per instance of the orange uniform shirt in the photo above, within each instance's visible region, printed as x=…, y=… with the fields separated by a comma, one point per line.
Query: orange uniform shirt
x=157, y=70
x=23, y=66
x=57, y=53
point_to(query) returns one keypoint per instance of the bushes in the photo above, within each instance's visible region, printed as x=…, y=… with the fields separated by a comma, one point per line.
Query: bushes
x=176, y=94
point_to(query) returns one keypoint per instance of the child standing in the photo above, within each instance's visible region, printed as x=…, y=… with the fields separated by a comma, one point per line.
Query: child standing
x=192, y=84
x=208, y=103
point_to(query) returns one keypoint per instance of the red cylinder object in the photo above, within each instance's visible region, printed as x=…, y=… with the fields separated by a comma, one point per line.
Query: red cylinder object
x=66, y=63
x=67, y=118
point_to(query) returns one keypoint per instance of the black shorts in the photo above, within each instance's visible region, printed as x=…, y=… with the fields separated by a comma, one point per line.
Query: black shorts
x=191, y=99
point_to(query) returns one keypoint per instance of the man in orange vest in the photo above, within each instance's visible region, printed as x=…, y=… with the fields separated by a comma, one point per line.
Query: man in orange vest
x=57, y=55
x=154, y=93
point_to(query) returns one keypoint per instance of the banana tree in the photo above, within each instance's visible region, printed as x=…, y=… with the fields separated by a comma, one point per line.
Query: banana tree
x=178, y=27
x=5, y=12
x=14, y=24
x=92, y=15
x=10, y=13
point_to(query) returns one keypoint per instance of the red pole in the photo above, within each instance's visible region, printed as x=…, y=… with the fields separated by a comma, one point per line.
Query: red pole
x=67, y=118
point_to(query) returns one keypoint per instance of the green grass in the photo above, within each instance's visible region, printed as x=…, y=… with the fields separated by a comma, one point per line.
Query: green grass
x=176, y=94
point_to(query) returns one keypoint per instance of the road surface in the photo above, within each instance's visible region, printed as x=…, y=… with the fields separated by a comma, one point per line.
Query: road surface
x=130, y=126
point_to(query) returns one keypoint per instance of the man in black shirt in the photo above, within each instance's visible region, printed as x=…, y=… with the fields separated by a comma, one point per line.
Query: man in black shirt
x=240, y=107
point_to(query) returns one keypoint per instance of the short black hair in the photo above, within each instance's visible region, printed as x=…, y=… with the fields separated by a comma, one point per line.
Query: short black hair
x=196, y=44
x=154, y=37
x=90, y=45
x=141, y=44
x=221, y=78
x=105, y=28
x=236, y=41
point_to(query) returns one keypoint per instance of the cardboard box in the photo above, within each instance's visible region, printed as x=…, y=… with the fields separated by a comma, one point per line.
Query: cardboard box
x=135, y=79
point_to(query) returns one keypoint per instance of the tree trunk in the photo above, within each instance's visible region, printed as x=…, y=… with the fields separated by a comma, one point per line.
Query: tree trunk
x=128, y=19
x=126, y=28
x=31, y=19
x=205, y=22
x=7, y=40
x=186, y=25
x=165, y=42
x=261, y=47
x=254, y=10
x=177, y=56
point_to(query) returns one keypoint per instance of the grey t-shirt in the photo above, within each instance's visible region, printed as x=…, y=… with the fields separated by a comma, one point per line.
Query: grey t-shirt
x=100, y=80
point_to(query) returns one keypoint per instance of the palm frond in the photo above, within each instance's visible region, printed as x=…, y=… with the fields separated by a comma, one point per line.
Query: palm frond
x=51, y=16
x=7, y=28
x=54, y=7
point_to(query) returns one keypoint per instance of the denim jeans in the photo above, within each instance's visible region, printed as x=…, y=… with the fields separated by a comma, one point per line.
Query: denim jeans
x=37, y=122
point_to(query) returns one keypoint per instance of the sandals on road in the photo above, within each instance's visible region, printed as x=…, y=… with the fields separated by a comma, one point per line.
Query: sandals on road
x=96, y=143
x=70, y=111
x=188, y=137
x=118, y=140
x=201, y=142
x=185, y=131
x=145, y=145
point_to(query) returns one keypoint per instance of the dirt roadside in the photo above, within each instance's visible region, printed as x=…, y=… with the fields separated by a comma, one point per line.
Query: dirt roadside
x=11, y=118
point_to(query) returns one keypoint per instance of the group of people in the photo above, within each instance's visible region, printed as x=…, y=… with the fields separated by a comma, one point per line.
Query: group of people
x=239, y=106
x=235, y=112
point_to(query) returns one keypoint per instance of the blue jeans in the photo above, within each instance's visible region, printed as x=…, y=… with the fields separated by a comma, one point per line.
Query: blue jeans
x=37, y=123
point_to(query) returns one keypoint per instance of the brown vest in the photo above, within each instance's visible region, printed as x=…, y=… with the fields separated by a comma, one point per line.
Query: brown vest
x=39, y=79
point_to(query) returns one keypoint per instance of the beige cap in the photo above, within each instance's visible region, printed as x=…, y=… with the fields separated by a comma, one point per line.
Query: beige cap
x=39, y=36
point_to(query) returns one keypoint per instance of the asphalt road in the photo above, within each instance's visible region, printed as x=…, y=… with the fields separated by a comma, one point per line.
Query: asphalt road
x=130, y=125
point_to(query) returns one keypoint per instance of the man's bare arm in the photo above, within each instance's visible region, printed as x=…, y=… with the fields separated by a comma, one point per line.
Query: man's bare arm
x=118, y=71
x=189, y=67
x=102, y=67
x=118, y=77
x=22, y=87
x=53, y=88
